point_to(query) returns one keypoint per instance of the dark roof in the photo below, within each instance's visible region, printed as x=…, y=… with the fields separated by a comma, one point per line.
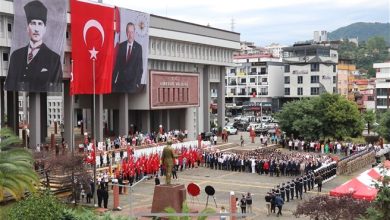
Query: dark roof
x=302, y=47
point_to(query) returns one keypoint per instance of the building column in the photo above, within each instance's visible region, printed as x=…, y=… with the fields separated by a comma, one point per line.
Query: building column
x=191, y=122
x=110, y=122
x=24, y=108
x=205, y=100
x=97, y=122
x=146, y=121
x=87, y=122
x=160, y=119
x=168, y=118
x=123, y=114
x=221, y=98
x=68, y=115
x=2, y=103
x=43, y=110
x=13, y=111
x=35, y=119
x=115, y=121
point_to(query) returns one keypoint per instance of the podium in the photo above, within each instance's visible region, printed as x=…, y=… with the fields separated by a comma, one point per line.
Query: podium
x=168, y=196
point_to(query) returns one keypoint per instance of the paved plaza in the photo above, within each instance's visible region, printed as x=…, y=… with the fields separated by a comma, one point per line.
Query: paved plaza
x=139, y=201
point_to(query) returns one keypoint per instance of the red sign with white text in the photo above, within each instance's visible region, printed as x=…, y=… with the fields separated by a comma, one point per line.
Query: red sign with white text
x=173, y=90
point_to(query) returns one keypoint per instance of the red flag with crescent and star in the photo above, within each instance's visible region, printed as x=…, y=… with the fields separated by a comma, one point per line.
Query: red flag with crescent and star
x=92, y=26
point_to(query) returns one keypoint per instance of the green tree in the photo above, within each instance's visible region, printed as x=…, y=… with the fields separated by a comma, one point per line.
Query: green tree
x=298, y=118
x=339, y=117
x=380, y=208
x=384, y=125
x=369, y=118
x=367, y=53
x=328, y=115
x=16, y=171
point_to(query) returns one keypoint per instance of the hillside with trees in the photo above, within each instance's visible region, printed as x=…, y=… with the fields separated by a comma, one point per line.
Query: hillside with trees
x=374, y=50
x=363, y=31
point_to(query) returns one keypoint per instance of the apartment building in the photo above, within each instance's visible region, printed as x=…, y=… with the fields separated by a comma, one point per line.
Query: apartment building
x=309, y=70
x=382, y=86
x=255, y=80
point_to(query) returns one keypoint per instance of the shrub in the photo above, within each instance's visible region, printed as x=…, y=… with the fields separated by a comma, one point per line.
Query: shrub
x=40, y=205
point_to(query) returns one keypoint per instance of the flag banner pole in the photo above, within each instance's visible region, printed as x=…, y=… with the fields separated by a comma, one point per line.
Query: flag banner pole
x=94, y=131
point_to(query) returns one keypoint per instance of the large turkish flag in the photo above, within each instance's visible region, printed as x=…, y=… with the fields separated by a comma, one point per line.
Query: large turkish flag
x=92, y=27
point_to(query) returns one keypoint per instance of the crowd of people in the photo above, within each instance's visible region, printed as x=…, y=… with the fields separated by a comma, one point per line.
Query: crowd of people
x=265, y=161
x=334, y=147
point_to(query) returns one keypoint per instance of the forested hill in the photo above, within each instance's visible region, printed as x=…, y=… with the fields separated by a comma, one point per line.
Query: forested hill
x=362, y=30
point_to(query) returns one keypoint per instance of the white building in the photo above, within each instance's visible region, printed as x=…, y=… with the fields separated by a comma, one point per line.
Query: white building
x=309, y=70
x=320, y=36
x=382, y=86
x=257, y=79
x=276, y=50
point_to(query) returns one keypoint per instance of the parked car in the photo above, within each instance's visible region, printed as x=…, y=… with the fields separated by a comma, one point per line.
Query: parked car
x=230, y=129
x=206, y=135
x=253, y=125
x=241, y=126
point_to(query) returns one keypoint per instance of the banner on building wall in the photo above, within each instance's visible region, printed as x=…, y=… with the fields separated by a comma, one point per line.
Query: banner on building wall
x=92, y=26
x=132, y=46
x=37, y=48
x=173, y=90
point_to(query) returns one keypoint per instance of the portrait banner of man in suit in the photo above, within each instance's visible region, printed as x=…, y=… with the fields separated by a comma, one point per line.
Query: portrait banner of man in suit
x=131, y=61
x=37, y=47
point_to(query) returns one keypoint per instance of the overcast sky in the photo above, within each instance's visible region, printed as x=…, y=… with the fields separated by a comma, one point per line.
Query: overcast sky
x=267, y=21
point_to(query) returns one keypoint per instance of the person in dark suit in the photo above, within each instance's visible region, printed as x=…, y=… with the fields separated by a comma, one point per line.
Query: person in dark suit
x=128, y=68
x=35, y=67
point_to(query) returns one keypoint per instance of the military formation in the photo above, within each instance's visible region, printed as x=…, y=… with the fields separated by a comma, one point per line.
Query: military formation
x=297, y=186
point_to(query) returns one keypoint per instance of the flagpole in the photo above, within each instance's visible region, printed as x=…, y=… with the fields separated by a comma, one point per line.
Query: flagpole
x=94, y=132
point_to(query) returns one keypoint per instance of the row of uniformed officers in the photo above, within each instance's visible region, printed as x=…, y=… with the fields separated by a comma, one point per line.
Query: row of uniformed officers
x=296, y=187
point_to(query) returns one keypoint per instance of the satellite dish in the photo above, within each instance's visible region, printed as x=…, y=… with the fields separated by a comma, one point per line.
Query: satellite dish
x=209, y=190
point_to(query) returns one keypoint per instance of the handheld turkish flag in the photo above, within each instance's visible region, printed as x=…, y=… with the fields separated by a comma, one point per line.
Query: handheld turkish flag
x=92, y=27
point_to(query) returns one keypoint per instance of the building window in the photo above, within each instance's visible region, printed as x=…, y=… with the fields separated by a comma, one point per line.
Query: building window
x=314, y=79
x=252, y=80
x=370, y=98
x=287, y=68
x=314, y=91
x=264, y=80
x=300, y=79
x=253, y=70
x=263, y=71
x=300, y=91
x=264, y=91
x=5, y=57
x=381, y=102
x=334, y=68
x=243, y=80
x=286, y=91
x=315, y=67
x=334, y=90
x=286, y=80
x=9, y=26
x=334, y=79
